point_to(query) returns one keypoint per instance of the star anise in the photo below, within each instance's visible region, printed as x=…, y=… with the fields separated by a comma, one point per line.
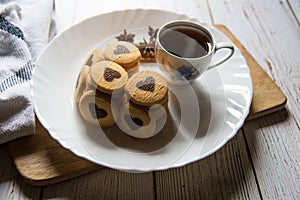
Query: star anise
x=126, y=37
x=147, y=49
x=152, y=33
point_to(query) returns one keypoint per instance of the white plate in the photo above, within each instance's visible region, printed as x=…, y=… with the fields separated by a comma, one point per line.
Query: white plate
x=203, y=116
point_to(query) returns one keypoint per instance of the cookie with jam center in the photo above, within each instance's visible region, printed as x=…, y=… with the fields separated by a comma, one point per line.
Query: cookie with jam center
x=96, y=108
x=108, y=77
x=124, y=53
x=146, y=88
x=135, y=121
x=94, y=56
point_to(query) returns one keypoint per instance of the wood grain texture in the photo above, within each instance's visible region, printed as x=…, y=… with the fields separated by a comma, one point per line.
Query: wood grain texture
x=295, y=8
x=227, y=174
x=274, y=145
x=267, y=39
x=65, y=14
x=70, y=13
x=274, y=140
x=104, y=184
x=267, y=96
x=12, y=185
x=41, y=160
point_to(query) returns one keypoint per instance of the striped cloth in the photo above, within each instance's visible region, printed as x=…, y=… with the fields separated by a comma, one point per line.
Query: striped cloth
x=25, y=29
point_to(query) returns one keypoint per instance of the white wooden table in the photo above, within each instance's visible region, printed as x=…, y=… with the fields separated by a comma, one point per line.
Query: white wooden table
x=261, y=162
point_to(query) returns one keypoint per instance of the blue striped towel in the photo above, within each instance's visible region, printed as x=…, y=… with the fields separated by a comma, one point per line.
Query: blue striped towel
x=25, y=28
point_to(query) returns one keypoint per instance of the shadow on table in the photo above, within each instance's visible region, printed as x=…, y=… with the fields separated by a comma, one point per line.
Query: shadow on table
x=227, y=174
x=11, y=183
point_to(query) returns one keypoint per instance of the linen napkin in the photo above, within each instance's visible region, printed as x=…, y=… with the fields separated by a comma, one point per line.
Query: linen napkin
x=26, y=26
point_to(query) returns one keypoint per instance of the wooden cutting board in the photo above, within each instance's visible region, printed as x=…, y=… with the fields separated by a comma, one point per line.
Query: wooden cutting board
x=43, y=161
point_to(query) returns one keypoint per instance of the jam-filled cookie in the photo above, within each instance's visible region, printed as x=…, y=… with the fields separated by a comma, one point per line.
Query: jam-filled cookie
x=124, y=53
x=108, y=77
x=146, y=88
x=136, y=121
x=95, y=56
x=96, y=108
x=81, y=82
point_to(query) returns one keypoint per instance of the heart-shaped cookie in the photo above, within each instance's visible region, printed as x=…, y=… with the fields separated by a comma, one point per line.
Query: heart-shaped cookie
x=97, y=113
x=121, y=49
x=147, y=85
x=110, y=74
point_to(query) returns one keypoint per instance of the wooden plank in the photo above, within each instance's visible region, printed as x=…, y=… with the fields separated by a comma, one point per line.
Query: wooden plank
x=191, y=8
x=42, y=160
x=274, y=145
x=104, y=184
x=274, y=140
x=295, y=8
x=227, y=174
x=267, y=96
x=65, y=13
x=12, y=185
x=267, y=39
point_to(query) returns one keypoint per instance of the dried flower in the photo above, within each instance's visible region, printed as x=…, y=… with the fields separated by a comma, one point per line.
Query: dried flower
x=126, y=37
x=147, y=49
x=152, y=33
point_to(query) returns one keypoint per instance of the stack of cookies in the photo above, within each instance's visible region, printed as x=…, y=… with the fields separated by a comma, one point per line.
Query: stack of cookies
x=148, y=103
x=98, y=79
x=102, y=80
x=106, y=94
x=125, y=54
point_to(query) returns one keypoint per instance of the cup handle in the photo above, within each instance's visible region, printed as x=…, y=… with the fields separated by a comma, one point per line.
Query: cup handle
x=220, y=46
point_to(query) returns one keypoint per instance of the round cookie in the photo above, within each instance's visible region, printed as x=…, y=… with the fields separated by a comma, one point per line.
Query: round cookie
x=124, y=53
x=89, y=84
x=108, y=77
x=147, y=88
x=96, y=108
x=81, y=82
x=95, y=56
x=136, y=122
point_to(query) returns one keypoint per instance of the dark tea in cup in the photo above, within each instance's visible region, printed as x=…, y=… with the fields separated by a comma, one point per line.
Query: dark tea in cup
x=184, y=51
x=186, y=42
